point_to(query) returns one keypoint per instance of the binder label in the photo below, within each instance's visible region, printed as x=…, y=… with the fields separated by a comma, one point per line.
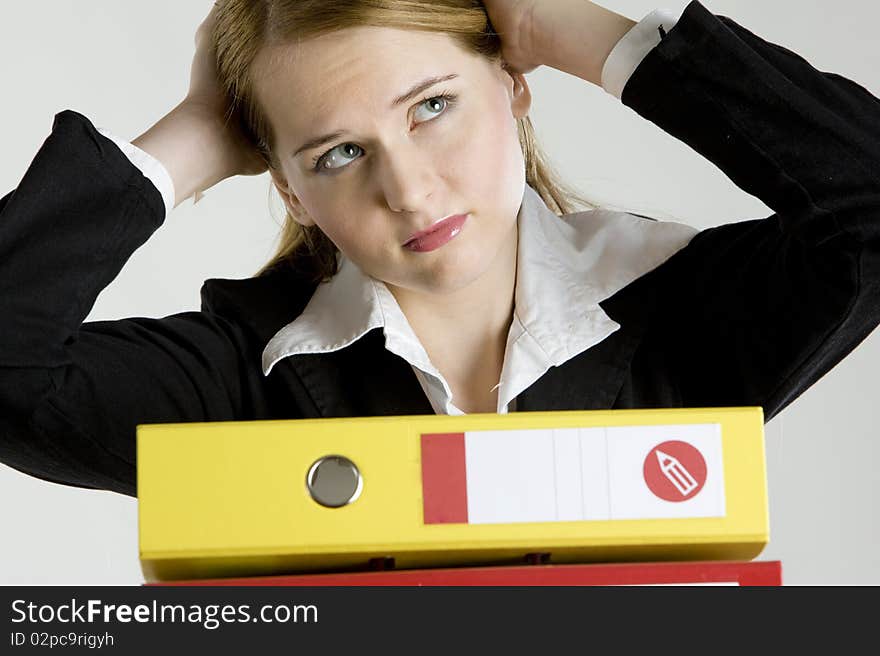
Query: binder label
x=573, y=474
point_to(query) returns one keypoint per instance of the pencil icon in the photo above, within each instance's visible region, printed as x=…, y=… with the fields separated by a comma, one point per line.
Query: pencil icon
x=676, y=473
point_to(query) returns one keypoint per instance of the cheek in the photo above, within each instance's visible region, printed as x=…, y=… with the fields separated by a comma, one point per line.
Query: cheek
x=493, y=168
x=326, y=211
x=342, y=218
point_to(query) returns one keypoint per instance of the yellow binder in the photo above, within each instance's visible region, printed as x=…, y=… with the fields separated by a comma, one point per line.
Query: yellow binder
x=268, y=497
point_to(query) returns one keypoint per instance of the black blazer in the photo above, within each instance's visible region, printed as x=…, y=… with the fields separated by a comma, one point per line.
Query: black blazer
x=750, y=313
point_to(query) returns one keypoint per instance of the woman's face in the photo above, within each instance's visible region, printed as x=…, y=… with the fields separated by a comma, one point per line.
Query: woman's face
x=391, y=166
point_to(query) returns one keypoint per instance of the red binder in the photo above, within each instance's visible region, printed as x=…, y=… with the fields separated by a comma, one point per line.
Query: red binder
x=751, y=573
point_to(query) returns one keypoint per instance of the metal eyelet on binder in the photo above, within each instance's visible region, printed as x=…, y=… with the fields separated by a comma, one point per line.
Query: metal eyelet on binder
x=334, y=481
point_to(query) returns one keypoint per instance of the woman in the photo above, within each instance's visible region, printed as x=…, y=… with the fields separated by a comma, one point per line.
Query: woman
x=638, y=314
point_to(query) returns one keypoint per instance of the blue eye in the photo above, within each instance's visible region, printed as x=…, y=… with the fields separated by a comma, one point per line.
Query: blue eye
x=338, y=157
x=442, y=101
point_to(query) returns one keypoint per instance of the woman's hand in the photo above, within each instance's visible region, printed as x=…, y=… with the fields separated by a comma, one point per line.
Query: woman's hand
x=194, y=141
x=206, y=95
x=514, y=21
x=574, y=36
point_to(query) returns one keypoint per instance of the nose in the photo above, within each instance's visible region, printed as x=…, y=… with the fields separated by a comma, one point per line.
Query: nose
x=407, y=178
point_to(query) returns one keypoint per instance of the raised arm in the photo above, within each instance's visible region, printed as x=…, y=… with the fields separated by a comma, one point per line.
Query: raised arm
x=574, y=36
x=757, y=311
x=72, y=393
x=196, y=142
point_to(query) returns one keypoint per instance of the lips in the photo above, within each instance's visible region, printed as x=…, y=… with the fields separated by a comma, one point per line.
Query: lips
x=437, y=234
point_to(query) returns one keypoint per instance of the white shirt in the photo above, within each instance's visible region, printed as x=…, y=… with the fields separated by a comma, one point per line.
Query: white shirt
x=565, y=267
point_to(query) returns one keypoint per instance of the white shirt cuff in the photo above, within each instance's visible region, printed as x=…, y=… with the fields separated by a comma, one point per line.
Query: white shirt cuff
x=628, y=53
x=151, y=167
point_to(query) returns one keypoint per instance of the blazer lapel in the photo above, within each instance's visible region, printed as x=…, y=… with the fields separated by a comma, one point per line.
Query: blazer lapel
x=361, y=380
x=593, y=379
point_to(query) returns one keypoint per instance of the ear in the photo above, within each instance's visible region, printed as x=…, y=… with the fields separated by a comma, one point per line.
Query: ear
x=519, y=92
x=291, y=202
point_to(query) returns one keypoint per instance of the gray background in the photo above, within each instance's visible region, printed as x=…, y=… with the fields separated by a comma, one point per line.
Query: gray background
x=124, y=64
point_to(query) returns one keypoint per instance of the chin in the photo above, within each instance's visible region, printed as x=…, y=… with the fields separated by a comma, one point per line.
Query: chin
x=454, y=274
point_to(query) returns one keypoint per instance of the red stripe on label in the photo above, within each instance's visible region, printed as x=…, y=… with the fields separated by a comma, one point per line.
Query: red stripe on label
x=444, y=478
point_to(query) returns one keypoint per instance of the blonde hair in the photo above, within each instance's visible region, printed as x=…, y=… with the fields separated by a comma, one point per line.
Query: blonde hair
x=245, y=27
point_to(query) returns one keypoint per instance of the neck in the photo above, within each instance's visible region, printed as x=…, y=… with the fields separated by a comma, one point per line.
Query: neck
x=466, y=331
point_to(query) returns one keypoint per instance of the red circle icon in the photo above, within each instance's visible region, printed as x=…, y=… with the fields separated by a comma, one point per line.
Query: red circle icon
x=675, y=471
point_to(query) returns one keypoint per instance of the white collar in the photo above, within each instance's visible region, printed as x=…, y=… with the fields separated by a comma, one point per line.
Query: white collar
x=341, y=311
x=565, y=267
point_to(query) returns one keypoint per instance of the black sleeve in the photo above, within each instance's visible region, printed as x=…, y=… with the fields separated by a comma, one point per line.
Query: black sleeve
x=762, y=309
x=72, y=393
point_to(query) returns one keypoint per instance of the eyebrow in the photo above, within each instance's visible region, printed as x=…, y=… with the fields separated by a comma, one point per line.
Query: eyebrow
x=415, y=90
x=421, y=86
